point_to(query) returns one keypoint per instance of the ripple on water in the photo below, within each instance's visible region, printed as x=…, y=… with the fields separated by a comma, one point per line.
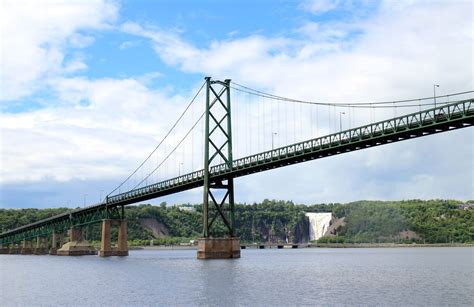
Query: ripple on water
x=397, y=276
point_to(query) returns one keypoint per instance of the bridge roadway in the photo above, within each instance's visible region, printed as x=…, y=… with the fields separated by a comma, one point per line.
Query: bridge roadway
x=455, y=115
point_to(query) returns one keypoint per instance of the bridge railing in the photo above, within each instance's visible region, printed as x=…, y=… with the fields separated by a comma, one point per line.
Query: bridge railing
x=402, y=123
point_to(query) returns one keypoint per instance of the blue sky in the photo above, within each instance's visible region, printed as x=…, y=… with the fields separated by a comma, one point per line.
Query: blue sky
x=88, y=88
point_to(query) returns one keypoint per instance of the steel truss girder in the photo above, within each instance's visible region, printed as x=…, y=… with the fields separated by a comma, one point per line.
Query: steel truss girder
x=76, y=218
x=222, y=207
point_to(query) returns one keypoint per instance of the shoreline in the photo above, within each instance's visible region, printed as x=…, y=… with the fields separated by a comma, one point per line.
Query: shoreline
x=309, y=245
x=386, y=245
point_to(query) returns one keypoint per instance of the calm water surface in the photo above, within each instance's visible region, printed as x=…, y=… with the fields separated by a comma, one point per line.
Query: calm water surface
x=398, y=276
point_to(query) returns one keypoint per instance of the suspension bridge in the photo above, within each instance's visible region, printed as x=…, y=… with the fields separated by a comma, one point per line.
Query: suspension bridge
x=213, y=141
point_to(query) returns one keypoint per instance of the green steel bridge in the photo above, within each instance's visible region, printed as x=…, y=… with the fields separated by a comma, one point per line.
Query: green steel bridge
x=442, y=118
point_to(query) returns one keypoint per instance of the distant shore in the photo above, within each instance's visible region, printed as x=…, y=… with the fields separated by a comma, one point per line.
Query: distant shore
x=308, y=245
x=163, y=247
x=387, y=245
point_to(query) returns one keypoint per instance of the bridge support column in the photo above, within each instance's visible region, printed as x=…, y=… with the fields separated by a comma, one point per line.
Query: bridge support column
x=27, y=247
x=4, y=249
x=14, y=249
x=41, y=246
x=122, y=244
x=218, y=248
x=57, y=238
x=218, y=200
x=76, y=246
x=106, y=248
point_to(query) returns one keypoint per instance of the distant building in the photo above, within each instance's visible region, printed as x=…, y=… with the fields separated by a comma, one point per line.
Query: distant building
x=467, y=206
x=189, y=208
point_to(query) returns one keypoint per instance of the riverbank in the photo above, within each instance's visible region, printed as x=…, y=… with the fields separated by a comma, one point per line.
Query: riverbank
x=386, y=245
x=163, y=247
x=309, y=245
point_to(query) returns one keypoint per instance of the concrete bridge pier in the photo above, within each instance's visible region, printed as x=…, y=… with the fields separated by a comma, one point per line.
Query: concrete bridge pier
x=4, y=249
x=77, y=245
x=41, y=246
x=26, y=247
x=57, y=240
x=14, y=249
x=218, y=248
x=106, y=249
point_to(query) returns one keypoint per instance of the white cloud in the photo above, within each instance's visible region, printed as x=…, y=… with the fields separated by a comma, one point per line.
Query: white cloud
x=77, y=40
x=35, y=35
x=371, y=59
x=319, y=6
x=74, y=65
x=219, y=57
x=103, y=139
x=129, y=44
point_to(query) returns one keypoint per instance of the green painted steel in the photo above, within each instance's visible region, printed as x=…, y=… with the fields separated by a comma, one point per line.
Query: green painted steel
x=61, y=223
x=455, y=115
x=218, y=122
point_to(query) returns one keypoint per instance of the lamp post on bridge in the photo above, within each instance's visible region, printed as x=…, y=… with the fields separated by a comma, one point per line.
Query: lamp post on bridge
x=273, y=133
x=85, y=196
x=179, y=169
x=100, y=198
x=434, y=93
x=340, y=120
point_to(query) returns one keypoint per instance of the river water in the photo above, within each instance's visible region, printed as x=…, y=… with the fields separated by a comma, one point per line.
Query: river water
x=312, y=276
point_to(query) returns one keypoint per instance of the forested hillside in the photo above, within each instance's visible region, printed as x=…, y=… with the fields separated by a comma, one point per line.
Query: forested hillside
x=433, y=221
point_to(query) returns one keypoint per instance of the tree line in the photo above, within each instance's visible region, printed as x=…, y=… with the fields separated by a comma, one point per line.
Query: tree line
x=431, y=221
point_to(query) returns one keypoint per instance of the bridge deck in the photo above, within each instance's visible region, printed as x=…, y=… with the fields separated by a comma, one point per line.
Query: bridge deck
x=451, y=116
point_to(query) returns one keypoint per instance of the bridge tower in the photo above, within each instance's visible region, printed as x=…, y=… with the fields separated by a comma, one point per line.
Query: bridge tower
x=218, y=200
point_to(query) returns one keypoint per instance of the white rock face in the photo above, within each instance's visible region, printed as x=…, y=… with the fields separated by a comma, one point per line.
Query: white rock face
x=318, y=224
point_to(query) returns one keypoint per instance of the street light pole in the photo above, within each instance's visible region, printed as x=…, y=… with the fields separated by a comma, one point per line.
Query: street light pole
x=340, y=120
x=179, y=169
x=434, y=93
x=85, y=196
x=273, y=133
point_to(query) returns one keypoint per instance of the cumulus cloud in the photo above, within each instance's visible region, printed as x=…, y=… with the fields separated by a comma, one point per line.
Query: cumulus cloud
x=374, y=57
x=101, y=129
x=129, y=44
x=319, y=6
x=35, y=35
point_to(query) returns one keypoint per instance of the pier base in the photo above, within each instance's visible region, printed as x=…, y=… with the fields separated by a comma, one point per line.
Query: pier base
x=41, y=246
x=57, y=238
x=14, y=249
x=218, y=248
x=27, y=247
x=77, y=245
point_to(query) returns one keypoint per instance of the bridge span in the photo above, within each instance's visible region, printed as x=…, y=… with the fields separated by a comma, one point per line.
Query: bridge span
x=47, y=236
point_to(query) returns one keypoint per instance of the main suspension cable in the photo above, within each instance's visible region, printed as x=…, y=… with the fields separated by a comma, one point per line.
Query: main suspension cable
x=379, y=104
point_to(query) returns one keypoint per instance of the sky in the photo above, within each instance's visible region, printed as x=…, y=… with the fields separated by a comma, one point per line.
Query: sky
x=88, y=89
